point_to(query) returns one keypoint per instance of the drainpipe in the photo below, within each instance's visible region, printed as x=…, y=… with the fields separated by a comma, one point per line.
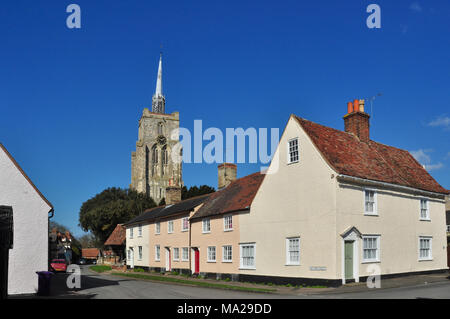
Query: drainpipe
x=190, y=249
x=52, y=212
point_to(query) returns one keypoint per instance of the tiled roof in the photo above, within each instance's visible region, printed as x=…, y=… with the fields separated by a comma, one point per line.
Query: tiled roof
x=169, y=210
x=346, y=154
x=89, y=252
x=117, y=237
x=235, y=197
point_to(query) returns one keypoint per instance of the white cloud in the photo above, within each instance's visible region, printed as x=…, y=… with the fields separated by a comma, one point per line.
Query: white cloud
x=415, y=6
x=424, y=159
x=421, y=156
x=431, y=167
x=442, y=120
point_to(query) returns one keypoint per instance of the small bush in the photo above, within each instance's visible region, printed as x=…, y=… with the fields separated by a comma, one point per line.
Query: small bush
x=138, y=269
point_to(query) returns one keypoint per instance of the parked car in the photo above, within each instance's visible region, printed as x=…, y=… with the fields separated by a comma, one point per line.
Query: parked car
x=83, y=261
x=58, y=265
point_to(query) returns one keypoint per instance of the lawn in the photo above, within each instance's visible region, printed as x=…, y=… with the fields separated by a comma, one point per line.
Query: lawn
x=100, y=268
x=194, y=283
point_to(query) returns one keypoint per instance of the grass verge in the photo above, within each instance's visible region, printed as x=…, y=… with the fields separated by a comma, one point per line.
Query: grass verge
x=100, y=268
x=194, y=283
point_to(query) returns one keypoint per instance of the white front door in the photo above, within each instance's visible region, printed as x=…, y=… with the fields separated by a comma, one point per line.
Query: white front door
x=131, y=258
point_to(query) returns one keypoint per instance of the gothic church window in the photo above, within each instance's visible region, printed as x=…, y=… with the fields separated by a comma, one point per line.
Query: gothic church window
x=154, y=154
x=160, y=128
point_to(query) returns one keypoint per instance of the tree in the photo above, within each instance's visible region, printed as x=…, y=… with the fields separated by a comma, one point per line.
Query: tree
x=113, y=206
x=59, y=227
x=196, y=191
x=88, y=241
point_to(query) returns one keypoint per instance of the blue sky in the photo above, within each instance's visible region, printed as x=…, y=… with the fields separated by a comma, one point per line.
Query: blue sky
x=71, y=99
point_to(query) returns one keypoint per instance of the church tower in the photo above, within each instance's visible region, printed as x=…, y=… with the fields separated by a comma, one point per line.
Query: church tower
x=152, y=167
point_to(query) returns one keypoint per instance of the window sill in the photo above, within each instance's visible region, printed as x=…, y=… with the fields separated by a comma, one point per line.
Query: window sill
x=225, y=230
x=184, y=230
x=425, y=219
x=240, y=268
x=370, y=262
x=292, y=264
x=430, y=259
x=289, y=163
x=211, y=261
x=206, y=232
x=227, y=261
x=184, y=259
x=371, y=214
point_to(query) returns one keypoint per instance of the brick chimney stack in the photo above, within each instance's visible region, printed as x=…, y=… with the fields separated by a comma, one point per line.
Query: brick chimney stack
x=226, y=174
x=356, y=121
x=173, y=195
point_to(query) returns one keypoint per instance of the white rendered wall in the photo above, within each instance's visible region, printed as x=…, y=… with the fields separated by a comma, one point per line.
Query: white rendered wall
x=30, y=214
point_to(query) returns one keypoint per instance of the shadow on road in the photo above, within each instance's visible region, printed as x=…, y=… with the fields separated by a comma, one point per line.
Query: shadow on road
x=59, y=289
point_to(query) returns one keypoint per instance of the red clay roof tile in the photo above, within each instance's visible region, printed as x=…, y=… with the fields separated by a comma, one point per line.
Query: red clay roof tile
x=375, y=161
x=89, y=252
x=235, y=197
x=117, y=237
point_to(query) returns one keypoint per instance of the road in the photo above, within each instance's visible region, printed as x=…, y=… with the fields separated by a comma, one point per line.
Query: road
x=103, y=286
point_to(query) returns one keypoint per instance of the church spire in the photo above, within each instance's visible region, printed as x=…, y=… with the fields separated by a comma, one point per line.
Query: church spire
x=158, y=100
x=158, y=91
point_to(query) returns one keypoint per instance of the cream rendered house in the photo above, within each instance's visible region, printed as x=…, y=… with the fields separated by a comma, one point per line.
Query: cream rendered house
x=215, y=227
x=337, y=207
x=159, y=238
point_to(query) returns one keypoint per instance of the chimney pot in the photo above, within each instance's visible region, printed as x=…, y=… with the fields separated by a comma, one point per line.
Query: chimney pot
x=349, y=107
x=355, y=105
x=361, y=105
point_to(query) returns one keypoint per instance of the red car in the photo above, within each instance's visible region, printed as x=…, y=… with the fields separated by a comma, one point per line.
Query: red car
x=58, y=265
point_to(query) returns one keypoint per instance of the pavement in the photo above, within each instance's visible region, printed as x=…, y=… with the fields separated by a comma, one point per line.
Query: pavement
x=108, y=286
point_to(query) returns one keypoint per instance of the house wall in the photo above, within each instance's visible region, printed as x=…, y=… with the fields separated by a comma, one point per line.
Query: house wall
x=297, y=200
x=137, y=241
x=177, y=239
x=217, y=237
x=399, y=225
x=30, y=218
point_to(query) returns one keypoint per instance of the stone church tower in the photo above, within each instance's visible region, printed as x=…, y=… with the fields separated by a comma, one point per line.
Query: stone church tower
x=152, y=168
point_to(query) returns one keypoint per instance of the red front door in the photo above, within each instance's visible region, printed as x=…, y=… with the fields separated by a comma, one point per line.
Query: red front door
x=197, y=261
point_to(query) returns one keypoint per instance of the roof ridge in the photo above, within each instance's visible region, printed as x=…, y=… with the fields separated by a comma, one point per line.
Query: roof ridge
x=16, y=164
x=343, y=151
